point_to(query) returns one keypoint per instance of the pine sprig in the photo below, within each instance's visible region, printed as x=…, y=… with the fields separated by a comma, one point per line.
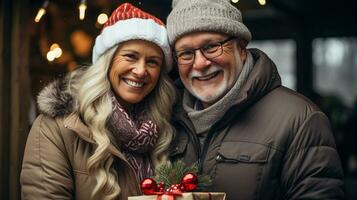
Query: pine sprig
x=173, y=173
x=203, y=181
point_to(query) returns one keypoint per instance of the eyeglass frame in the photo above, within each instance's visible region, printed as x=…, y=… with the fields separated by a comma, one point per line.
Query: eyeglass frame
x=193, y=51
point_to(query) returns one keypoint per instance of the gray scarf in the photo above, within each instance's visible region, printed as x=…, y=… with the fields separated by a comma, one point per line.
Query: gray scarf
x=204, y=119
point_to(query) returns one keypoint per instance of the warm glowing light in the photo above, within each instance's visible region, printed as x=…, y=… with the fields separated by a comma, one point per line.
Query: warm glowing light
x=54, y=46
x=39, y=15
x=262, y=2
x=235, y=1
x=82, y=10
x=41, y=11
x=50, y=56
x=57, y=52
x=102, y=18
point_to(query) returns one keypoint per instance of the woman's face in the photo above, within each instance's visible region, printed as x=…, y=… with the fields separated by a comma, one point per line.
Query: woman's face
x=135, y=70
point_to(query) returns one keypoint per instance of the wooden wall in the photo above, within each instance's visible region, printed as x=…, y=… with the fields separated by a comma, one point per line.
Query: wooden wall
x=14, y=92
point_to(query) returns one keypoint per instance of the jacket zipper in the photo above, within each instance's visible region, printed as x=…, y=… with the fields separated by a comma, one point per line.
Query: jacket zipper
x=197, y=145
x=131, y=169
x=202, y=157
x=207, y=142
x=193, y=138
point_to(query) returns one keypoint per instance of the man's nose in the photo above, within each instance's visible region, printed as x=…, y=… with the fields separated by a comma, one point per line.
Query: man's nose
x=200, y=62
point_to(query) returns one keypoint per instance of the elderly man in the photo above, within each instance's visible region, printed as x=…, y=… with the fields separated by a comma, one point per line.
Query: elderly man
x=255, y=138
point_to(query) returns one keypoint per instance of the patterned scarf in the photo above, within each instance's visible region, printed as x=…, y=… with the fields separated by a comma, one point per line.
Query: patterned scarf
x=135, y=134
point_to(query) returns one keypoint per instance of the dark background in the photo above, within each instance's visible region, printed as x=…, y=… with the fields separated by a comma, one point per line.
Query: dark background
x=24, y=69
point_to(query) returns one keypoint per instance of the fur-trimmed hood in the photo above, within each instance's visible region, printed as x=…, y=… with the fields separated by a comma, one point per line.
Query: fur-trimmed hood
x=56, y=99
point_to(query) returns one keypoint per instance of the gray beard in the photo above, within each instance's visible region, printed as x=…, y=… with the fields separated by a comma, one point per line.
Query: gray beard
x=205, y=118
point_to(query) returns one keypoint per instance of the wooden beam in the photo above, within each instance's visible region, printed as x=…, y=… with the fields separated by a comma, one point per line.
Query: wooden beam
x=5, y=93
x=15, y=93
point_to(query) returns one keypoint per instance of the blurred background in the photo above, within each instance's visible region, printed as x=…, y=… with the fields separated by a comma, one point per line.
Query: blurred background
x=313, y=44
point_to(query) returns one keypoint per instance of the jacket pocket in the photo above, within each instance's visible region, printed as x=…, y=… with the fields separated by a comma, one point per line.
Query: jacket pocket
x=240, y=169
x=245, y=152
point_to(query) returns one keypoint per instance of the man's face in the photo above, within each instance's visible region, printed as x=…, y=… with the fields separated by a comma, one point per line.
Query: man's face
x=209, y=79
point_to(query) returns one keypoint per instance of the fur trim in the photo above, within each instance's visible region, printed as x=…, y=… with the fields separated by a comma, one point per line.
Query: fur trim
x=55, y=100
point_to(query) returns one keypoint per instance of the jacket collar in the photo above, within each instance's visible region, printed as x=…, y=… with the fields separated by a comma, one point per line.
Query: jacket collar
x=262, y=79
x=57, y=100
x=75, y=124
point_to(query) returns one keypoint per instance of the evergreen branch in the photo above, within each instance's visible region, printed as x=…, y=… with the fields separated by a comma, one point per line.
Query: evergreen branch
x=171, y=174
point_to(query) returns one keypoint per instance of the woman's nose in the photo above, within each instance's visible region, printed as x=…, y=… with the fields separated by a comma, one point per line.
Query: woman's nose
x=140, y=69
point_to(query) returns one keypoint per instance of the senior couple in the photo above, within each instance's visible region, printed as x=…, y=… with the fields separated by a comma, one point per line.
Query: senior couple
x=106, y=126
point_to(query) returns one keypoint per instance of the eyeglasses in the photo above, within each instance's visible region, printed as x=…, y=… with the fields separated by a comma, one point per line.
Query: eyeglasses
x=209, y=51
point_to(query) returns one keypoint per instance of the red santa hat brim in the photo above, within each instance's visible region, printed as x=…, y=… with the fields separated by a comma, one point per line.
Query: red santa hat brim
x=129, y=23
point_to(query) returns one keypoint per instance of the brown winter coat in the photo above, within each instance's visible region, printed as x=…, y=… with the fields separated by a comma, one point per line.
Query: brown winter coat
x=271, y=144
x=56, y=155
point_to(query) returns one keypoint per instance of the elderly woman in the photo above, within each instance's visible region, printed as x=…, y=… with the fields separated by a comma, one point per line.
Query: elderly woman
x=106, y=126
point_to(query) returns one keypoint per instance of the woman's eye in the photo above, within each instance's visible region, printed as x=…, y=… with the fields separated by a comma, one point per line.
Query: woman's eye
x=153, y=62
x=129, y=56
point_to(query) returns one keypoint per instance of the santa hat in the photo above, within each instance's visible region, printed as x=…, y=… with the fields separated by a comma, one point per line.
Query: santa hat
x=129, y=23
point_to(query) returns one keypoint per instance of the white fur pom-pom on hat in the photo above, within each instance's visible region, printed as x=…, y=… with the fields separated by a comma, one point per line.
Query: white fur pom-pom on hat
x=128, y=22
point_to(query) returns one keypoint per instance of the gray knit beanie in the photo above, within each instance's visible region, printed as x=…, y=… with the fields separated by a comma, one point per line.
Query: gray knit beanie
x=221, y=16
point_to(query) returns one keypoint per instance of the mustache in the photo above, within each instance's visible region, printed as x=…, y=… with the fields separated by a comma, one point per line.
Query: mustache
x=212, y=69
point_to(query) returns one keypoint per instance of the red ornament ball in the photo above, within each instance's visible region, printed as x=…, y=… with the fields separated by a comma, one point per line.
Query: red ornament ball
x=189, y=182
x=161, y=187
x=148, y=186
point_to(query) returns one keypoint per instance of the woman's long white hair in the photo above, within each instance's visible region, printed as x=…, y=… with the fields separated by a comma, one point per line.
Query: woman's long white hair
x=95, y=107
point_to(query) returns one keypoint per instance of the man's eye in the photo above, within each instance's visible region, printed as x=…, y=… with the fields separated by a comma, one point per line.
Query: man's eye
x=211, y=48
x=185, y=55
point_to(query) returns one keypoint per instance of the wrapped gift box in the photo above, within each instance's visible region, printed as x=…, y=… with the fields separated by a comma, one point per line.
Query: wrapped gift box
x=185, y=196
